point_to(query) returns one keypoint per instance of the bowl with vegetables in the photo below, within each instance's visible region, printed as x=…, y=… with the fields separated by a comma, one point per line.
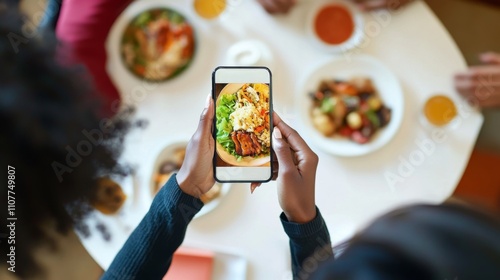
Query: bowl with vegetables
x=350, y=108
x=158, y=44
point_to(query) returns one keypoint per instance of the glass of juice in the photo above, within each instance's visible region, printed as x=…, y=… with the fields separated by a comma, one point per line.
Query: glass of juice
x=209, y=9
x=439, y=111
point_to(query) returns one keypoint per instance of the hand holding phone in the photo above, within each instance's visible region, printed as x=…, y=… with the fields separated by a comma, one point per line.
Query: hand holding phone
x=296, y=173
x=242, y=124
x=195, y=176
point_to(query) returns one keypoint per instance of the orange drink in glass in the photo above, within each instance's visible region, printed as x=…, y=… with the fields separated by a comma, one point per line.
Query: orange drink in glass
x=440, y=110
x=209, y=9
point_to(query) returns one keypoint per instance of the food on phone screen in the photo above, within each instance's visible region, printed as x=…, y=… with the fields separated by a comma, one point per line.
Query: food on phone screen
x=110, y=196
x=158, y=44
x=243, y=126
x=352, y=109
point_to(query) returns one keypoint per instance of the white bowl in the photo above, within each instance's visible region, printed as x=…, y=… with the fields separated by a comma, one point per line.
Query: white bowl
x=384, y=81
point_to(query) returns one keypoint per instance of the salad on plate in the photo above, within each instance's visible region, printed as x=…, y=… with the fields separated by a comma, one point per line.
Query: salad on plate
x=242, y=122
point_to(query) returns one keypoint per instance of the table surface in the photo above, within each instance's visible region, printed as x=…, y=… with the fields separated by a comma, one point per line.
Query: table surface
x=351, y=192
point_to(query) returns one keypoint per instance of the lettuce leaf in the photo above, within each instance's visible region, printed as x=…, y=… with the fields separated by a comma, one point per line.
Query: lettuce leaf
x=223, y=125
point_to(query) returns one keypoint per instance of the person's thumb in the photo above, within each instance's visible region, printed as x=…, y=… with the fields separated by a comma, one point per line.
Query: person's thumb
x=490, y=58
x=282, y=151
x=207, y=117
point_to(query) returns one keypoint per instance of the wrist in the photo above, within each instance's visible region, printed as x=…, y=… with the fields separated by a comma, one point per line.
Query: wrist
x=301, y=217
x=185, y=184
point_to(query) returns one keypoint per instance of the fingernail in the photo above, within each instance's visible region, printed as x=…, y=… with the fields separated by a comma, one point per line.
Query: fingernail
x=207, y=102
x=277, y=133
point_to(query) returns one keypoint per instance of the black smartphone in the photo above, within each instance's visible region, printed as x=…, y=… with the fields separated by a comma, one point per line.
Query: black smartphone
x=242, y=124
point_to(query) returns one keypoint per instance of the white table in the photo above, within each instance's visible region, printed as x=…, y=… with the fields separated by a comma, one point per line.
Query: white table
x=351, y=192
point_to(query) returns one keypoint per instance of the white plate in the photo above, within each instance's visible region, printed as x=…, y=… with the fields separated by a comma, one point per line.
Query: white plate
x=166, y=155
x=352, y=42
x=223, y=154
x=384, y=81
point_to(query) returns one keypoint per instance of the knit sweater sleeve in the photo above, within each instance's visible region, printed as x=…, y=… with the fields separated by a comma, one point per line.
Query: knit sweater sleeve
x=147, y=254
x=309, y=244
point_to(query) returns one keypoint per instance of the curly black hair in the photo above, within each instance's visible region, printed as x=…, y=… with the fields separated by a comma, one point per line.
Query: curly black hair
x=53, y=136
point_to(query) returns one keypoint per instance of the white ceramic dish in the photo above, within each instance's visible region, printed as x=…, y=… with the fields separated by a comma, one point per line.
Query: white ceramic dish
x=116, y=66
x=386, y=84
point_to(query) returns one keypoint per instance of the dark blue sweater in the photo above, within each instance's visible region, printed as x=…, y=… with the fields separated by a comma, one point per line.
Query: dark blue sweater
x=148, y=252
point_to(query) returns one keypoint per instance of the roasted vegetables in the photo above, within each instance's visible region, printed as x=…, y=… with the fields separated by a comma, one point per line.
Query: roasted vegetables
x=351, y=109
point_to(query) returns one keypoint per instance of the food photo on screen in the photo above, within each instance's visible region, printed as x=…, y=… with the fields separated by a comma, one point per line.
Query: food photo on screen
x=242, y=124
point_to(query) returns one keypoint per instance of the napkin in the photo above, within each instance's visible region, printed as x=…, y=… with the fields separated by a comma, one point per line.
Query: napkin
x=190, y=263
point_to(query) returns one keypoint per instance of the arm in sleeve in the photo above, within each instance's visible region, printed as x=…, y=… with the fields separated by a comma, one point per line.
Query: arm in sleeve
x=309, y=244
x=148, y=252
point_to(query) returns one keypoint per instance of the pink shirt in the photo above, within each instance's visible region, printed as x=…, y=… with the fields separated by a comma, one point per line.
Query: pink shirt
x=83, y=27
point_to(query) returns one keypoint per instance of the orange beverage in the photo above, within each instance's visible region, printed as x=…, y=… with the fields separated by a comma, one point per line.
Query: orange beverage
x=440, y=110
x=209, y=9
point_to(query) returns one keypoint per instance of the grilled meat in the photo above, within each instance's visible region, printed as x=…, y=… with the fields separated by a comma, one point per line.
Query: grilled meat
x=246, y=143
x=236, y=142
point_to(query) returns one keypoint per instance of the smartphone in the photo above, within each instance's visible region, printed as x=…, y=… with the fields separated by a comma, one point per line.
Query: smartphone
x=242, y=124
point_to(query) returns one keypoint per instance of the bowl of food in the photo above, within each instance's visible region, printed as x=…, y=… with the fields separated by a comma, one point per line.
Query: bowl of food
x=169, y=161
x=350, y=108
x=109, y=197
x=243, y=125
x=334, y=25
x=115, y=194
x=158, y=44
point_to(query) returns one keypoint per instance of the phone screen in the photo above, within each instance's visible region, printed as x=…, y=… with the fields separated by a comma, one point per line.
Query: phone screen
x=242, y=124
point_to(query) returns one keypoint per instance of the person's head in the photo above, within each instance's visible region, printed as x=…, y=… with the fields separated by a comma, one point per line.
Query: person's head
x=421, y=242
x=52, y=137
